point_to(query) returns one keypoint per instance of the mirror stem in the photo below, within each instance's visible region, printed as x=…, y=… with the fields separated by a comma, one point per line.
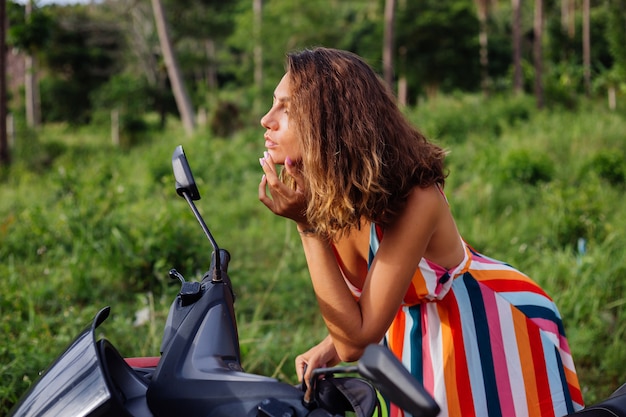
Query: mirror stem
x=216, y=249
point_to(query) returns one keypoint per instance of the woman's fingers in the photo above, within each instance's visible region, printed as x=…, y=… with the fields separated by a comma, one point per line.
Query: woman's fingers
x=269, y=182
x=263, y=192
x=294, y=173
x=278, y=197
x=301, y=365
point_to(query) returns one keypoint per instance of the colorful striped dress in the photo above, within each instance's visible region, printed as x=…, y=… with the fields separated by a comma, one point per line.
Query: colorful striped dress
x=484, y=339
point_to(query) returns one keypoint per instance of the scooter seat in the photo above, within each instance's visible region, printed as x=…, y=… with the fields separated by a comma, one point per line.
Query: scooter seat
x=143, y=362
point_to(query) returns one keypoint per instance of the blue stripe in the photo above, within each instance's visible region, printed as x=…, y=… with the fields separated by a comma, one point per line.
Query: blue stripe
x=555, y=377
x=470, y=342
x=520, y=298
x=374, y=243
x=532, y=312
x=564, y=386
x=416, y=360
x=484, y=345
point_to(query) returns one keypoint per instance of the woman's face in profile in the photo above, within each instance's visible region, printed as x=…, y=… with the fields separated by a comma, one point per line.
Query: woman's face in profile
x=280, y=138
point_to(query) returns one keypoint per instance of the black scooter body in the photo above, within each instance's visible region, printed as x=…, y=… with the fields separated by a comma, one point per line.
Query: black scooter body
x=200, y=373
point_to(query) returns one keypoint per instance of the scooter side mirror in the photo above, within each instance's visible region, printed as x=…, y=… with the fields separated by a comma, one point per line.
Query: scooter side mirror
x=185, y=182
x=395, y=382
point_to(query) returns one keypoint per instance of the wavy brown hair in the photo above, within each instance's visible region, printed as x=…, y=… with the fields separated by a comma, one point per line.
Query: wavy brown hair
x=361, y=156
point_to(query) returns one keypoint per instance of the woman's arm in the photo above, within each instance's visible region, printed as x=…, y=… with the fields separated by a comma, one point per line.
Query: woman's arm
x=353, y=324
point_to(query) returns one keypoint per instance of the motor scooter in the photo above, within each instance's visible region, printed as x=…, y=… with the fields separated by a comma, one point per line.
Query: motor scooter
x=199, y=372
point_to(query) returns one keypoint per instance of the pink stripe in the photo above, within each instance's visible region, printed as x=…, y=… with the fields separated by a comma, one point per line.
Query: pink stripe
x=563, y=344
x=429, y=373
x=547, y=326
x=482, y=259
x=497, y=350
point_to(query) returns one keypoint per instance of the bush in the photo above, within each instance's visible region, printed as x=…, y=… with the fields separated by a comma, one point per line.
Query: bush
x=609, y=165
x=225, y=120
x=526, y=166
x=575, y=212
x=453, y=120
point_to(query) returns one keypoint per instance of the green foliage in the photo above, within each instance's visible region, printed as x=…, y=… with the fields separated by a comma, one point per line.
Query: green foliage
x=451, y=119
x=78, y=51
x=33, y=33
x=436, y=36
x=226, y=119
x=576, y=212
x=130, y=98
x=609, y=165
x=217, y=42
x=526, y=166
x=616, y=35
x=564, y=47
x=563, y=84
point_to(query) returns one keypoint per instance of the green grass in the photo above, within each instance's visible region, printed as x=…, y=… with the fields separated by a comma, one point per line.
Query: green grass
x=84, y=224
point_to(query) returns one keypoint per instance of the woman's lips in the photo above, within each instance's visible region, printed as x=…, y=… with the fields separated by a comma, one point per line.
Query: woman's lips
x=269, y=143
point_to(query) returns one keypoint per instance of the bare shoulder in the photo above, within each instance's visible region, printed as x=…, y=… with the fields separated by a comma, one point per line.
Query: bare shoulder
x=444, y=245
x=426, y=228
x=425, y=201
x=419, y=217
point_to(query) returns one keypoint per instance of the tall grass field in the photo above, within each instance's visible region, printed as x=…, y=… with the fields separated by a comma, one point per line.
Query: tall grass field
x=85, y=224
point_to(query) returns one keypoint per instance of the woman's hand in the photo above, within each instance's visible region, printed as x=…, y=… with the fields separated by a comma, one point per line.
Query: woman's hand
x=282, y=200
x=319, y=356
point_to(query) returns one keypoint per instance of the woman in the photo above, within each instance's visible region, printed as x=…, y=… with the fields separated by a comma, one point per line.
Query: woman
x=385, y=257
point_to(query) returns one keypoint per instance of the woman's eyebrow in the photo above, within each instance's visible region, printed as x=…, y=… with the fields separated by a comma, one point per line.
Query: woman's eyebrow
x=284, y=99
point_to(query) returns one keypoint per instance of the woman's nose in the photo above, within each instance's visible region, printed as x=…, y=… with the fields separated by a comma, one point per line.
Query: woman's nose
x=268, y=122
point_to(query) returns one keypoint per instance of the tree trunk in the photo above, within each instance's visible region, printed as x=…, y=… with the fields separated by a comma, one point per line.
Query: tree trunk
x=612, y=97
x=538, y=53
x=5, y=156
x=568, y=17
x=211, y=71
x=482, y=7
x=31, y=83
x=31, y=91
x=140, y=31
x=388, y=41
x=403, y=86
x=587, y=47
x=183, y=103
x=257, y=9
x=403, y=91
x=516, y=24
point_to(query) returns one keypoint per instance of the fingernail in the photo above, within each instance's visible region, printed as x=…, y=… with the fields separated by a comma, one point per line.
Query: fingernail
x=289, y=161
x=266, y=154
x=262, y=161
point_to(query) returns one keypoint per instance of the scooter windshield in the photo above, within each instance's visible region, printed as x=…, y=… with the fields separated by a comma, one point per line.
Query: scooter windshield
x=74, y=385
